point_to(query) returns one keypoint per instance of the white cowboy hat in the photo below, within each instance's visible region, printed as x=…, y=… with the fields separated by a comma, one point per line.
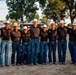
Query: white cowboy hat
x=6, y=22
x=45, y=25
x=62, y=22
x=35, y=20
x=52, y=22
x=25, y=27
x=15, y=24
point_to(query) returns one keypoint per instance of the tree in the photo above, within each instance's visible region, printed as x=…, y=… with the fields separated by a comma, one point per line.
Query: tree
x=32, y=16
x=54, y=9
x=30, y=10
x=18, y=8
x=15, y=8
x=71, y=6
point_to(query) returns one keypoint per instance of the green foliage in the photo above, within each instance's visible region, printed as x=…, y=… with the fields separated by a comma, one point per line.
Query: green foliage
x=71, y=6
x=53, y=8
x=18, y=8
x=56, y=5
x=32, y=16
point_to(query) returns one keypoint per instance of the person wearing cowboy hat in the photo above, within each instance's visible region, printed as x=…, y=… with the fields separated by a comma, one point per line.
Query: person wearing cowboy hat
x=70, y=44
x=5, y=36
x=43, y=44
x=62, y=42
x=52, y=34
x=16, y=44
x=25, y=45
x=73, y=49
x=35, y=32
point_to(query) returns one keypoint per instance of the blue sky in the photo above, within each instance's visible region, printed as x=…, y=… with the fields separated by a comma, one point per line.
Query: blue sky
x=3, y=10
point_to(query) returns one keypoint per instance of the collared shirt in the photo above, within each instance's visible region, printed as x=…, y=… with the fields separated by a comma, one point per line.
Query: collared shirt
x=44, y=36
x=16, y=36
x=70, y=32
x=52, y=35
x=35, y=32
x=62, y=33
x=5, y=33
x=25, y=36
x=74, y=35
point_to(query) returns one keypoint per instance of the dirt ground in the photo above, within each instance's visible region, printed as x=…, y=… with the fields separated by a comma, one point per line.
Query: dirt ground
x=68, y=69
x=39, y=70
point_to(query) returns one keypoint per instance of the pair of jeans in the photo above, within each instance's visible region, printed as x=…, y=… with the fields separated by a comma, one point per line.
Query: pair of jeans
x=52, y=50
x=62, y=46
x=34, y=51
x=43, y=52
x=71, y=49
x=25, y=48
x=4, y=52
x=74, y=52
x=16, y=46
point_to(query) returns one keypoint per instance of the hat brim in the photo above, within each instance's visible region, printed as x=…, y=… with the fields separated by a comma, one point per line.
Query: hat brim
x=6, y=23
x=15, y=25
x=74, y=25
x=44, y=27
x=62, y=22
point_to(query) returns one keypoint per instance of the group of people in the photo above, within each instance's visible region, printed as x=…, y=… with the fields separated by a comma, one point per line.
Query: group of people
x=37, y=43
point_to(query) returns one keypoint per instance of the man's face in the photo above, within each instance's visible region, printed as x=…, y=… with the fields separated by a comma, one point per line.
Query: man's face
x=53, y=26
x=16, y=27
x=74, y=27
x=7, y=25
x=62, y=25
x=44, y=29
x=35, y=23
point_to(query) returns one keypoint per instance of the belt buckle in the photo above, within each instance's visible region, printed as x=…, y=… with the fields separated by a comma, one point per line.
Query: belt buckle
x=62, y=40
x=44, y=42
x=52, y=41
x=16, y=42
x=26, y=43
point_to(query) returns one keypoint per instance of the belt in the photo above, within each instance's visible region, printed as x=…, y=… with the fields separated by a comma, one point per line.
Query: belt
x=16, y=42
x=35, y=38
x=44, y=41
x=70, y=41
x=6, y=40
x=62, y=40
x=25, y=42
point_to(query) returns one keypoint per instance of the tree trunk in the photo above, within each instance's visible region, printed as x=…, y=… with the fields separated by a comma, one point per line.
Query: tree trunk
x=22, y=18
x=58, y=17
x=71, y=16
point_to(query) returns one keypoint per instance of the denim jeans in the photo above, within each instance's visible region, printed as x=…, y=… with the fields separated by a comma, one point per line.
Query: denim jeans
x=71, y=49
x=52, y=50
x=4, y=52
x=16, y=47
x=34, y=51
x=74, y=52
x=25, y=48
x=43, y=52
x=62, y=46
